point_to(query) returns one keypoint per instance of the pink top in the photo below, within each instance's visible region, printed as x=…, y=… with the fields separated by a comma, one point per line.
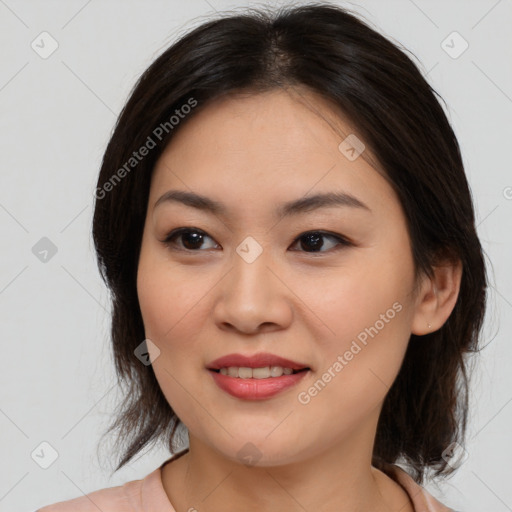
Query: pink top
x=148, y=495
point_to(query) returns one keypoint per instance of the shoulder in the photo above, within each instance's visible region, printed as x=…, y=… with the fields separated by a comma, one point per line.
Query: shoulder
x=147, y=493
x=114, y=499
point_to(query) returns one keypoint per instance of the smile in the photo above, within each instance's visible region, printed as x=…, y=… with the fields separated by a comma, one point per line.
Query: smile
x=256, y=388
x=265, y=372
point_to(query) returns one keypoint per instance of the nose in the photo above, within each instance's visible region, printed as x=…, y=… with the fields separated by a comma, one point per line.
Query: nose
x=253, y=298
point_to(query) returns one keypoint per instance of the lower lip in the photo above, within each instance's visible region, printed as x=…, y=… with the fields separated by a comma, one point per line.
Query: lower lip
x=256, y=389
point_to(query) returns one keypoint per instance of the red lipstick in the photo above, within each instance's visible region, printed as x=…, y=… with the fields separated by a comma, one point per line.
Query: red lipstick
x=255, y=361
x=253, y=388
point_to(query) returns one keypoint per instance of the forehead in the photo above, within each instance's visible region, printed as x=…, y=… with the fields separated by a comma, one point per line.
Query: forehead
x=269, y=147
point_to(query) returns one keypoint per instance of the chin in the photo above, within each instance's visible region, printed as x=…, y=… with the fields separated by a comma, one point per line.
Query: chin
x=259, y=450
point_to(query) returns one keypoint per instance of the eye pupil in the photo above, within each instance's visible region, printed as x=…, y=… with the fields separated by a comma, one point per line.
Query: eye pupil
x=194, y=238
x=315, y=239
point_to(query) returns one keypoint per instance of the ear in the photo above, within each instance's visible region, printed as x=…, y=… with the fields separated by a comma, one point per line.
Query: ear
x=437, y=298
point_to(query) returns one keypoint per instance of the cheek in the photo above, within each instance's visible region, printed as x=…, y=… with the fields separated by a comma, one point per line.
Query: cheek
x=170, y=314
x=360, y=362
x=355, y=300
x=167, y=296
x=153, y=295
x=365, y=319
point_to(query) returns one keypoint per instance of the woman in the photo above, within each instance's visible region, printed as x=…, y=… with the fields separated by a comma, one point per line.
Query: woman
x=283, y=219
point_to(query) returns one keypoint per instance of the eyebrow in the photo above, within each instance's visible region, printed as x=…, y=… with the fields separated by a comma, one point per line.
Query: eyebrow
x=295, y=207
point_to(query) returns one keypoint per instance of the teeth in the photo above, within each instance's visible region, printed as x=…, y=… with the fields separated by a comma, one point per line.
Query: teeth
x=256, y=373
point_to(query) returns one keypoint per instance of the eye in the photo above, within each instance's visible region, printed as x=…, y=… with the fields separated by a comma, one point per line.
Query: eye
x=192, y=239
x=314, y=240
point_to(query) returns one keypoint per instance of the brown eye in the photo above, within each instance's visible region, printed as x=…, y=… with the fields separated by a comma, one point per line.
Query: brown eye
x=192, y=239
x=313, y=241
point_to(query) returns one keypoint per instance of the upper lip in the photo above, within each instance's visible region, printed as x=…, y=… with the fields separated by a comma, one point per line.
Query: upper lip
x=255, y=361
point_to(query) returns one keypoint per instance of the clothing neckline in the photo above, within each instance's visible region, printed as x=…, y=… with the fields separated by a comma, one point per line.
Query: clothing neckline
x=154, y=497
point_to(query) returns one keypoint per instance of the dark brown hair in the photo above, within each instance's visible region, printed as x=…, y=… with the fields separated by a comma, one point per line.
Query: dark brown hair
x=334, y=54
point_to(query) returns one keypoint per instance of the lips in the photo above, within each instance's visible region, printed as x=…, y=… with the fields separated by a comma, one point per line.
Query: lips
x=255, y=361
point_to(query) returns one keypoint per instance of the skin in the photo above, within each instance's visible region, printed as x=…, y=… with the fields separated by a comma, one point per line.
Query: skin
x=253, y=153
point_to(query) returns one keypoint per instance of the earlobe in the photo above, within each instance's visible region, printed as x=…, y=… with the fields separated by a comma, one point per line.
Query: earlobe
x=437, y=299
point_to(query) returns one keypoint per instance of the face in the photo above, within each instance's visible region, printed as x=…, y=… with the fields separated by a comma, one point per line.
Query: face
x=328, y=287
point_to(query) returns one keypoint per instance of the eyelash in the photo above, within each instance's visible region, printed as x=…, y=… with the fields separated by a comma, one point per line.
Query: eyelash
x=342, y=242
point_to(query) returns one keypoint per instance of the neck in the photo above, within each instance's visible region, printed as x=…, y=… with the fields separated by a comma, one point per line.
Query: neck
x=337, y=479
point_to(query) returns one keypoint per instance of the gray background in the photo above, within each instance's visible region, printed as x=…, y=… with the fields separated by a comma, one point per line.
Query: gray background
x=57, y=113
